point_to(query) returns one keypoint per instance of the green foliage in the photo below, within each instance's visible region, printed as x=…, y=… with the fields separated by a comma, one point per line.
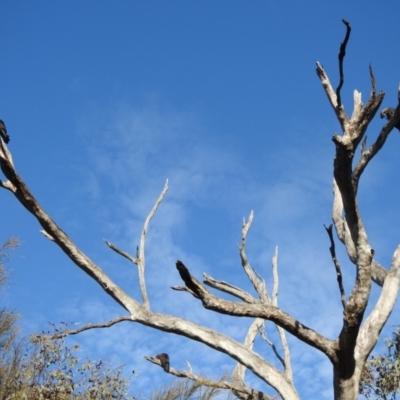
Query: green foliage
x=381, y=375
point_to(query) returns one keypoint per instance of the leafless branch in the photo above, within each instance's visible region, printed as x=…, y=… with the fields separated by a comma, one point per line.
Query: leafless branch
x=120, y=252
x=263, y=334
x=5, y=156
x=275, y=275
x=373, y=325
x=25, y=197
x=69, y=332
x=257, y=310
x=282, y=335
x=373, y=83
x=184, y=289
x=228, y=288
x=140, y=254
x=368, y=155
x=257, y=283
x=141, y=263
x=337, y=265
x=342, y=53
x=332, y=97
x=378, y=272
x=167, y=323
x=7, y=185
x=240, y=370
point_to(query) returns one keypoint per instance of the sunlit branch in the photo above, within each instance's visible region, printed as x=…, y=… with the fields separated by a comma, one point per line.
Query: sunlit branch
x=141, y=263
x=257, y=283
x=373, y=325
x=228, y=288
x=332, y=97
x=282, y=334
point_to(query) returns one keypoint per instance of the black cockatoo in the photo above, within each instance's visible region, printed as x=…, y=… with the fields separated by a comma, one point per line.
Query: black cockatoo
x=3, y=132
x=388, y=113
x=164, y=360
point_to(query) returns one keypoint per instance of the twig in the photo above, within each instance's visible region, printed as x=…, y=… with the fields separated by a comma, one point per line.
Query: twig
x=342, y=53
x=90, y=326
x=228, y=288
x=184, y=289
x=121, y=252
x=373, y=83
x=270, y=343
x=337, y=265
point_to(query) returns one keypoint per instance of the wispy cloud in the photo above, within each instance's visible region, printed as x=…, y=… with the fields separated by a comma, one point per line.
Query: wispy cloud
x=131, y=153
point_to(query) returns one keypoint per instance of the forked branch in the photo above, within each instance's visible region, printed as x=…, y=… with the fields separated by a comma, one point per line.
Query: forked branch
x=257, y=310
x=140, y=260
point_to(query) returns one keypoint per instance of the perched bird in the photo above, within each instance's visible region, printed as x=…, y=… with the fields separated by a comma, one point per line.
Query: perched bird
x=164, y=360
x=3, y=132
x=388, y=113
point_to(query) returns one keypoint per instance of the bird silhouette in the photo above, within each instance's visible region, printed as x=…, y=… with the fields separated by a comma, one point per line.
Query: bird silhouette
x=164, y=360
x=388, y=113
x=3, y=132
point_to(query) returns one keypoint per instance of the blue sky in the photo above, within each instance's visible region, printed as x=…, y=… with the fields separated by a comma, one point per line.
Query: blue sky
x=105, y=100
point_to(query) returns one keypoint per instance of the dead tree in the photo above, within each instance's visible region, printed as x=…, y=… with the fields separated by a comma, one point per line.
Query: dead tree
x=359, y=333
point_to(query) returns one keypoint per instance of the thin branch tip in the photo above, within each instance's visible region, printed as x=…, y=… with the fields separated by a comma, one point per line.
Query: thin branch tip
x=347, y=23
x=342, y=53
x=332, y=250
